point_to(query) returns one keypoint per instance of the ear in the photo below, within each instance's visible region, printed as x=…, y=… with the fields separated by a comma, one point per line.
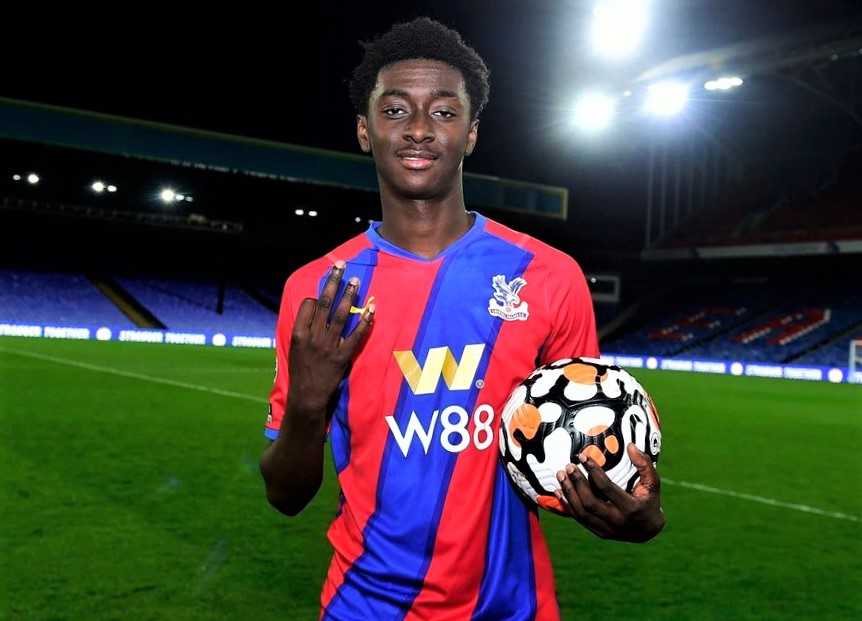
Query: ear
x=472, y=136
x=362, y=133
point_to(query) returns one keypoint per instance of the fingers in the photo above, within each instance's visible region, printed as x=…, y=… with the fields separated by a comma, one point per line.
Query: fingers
x=644, y=465
x=304, y=316
x=611, y=490
x=582, y=503
x=360, y=331
x=342, y=311
x=327, y=296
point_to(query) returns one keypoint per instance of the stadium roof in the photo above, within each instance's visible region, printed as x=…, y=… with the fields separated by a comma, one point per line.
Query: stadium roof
x=183, y=146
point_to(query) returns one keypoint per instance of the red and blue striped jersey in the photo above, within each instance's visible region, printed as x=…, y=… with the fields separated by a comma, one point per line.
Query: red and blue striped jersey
x=429, y=525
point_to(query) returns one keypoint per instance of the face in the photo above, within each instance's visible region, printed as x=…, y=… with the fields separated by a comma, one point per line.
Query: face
x=418, y=128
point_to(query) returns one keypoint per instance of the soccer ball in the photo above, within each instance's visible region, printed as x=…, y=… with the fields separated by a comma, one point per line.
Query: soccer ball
x=572, y=407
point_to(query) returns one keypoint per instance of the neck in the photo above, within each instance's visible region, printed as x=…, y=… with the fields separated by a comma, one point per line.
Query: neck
x=424, y=227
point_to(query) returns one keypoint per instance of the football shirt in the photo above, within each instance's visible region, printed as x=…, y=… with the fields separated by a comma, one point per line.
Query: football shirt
x=429, y=526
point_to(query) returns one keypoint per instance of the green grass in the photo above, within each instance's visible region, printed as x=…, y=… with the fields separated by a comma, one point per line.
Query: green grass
x=126, y=499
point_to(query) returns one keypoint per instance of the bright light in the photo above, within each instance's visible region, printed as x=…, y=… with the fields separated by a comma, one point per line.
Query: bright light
x=594, y=111
x=32, y=178
x=627, y=94
x=618, y=27
x=312, y=213
x=666, y=98
x=112, y=188
x=189, y=199
x=723, y=84
x=168, y=195
x=357, y=219
x=180, y=197
x=98, y=187
x=16, y=177
x=299, y=212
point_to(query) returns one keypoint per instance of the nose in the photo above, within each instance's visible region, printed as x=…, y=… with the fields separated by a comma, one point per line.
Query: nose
x=419, y=129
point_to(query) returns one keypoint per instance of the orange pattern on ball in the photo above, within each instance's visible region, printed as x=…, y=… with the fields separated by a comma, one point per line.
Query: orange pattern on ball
x=596, y=430
x=580, y=373
x=551, y=503
x=527, y=419
x=595, y=453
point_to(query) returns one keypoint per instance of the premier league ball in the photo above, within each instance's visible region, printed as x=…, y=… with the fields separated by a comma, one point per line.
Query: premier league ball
x=574, y=407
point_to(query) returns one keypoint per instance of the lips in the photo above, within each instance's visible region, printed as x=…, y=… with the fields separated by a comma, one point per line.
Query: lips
x=416, y=159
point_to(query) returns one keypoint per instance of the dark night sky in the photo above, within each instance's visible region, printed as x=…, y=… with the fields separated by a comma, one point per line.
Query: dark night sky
x=282, y=75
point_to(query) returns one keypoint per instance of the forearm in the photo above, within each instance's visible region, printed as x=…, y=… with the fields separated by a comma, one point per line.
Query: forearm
x=292, y=466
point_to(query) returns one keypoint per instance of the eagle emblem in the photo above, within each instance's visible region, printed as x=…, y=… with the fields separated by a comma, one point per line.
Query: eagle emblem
x=506, y=303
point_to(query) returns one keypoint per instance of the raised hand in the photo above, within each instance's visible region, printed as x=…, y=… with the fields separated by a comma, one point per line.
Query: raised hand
x=319, y=356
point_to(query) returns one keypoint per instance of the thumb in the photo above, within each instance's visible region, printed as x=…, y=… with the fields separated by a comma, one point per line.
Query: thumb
x=644, y=465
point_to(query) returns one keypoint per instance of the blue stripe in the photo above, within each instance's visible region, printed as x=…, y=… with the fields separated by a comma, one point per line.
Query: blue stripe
x=508, y=589
x=361, y=266
x=399, y=537
x=271, y=434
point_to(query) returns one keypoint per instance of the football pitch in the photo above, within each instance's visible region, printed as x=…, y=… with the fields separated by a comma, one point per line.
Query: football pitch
x=130, y=490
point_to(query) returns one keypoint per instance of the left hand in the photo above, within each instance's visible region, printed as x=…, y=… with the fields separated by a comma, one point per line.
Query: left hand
x=635, y=517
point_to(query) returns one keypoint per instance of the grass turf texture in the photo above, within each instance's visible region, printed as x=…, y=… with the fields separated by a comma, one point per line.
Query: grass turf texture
x=124, y=498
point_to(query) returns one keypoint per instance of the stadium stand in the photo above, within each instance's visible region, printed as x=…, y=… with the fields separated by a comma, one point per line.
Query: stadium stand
x=755, y=324
x=828, y=212
x=58, y=299
x=51, y=298
x=193, y=305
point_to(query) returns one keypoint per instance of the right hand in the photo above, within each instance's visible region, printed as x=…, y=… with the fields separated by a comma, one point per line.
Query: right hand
x=319, y=356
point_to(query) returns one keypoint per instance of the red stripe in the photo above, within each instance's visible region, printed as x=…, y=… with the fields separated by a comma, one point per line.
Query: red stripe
x=462, y=537
x=401, y=290
x=547, y=608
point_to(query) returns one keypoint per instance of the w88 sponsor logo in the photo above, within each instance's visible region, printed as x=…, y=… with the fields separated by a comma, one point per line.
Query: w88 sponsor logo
x=450, y=427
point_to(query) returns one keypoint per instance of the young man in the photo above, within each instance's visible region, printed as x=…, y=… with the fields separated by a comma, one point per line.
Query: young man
x=429, y=526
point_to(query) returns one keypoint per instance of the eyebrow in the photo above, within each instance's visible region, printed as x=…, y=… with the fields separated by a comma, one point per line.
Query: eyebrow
x=436, y=94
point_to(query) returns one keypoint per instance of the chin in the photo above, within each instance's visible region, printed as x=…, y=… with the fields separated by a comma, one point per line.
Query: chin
x=417, y=188
x=420, y=192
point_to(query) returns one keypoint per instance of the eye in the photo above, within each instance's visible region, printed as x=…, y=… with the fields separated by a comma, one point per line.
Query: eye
x=446, y=114
x=393, y=111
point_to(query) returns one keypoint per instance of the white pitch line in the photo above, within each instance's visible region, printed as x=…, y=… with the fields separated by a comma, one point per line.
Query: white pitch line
x=763, y=500
x=236, y=395
x=137, y=376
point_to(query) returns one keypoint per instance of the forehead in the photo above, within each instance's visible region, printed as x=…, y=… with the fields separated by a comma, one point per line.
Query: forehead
x=419, y=75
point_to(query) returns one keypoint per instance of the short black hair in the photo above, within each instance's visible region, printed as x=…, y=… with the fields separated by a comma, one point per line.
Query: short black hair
x=421, y=38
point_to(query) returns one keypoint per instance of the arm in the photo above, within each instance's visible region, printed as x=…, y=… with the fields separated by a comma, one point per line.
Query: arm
x=292, y=465
x=318, y=358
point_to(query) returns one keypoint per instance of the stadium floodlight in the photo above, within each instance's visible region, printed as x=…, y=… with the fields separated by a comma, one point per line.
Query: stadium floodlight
x=666, y=98
x=723, y=84
x=112, y=188
x=594, y=111
x=618, y=27
x=98, y=187
x=168, y=195
x=299, y=212
x=312, y=213
x=32, y=178
x=16, y=177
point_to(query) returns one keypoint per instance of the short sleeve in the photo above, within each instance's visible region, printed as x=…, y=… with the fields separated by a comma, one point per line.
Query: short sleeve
x=283, y=331
x=573, y=326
